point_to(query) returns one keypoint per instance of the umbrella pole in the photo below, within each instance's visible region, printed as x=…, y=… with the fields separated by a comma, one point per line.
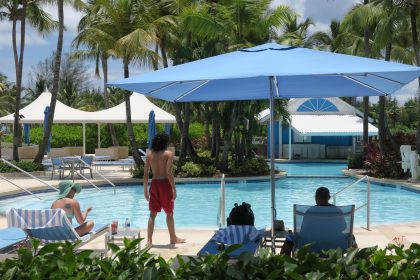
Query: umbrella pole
x=272, y=179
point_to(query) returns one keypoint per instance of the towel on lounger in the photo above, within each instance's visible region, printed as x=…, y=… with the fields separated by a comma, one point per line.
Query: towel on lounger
x=235, y=234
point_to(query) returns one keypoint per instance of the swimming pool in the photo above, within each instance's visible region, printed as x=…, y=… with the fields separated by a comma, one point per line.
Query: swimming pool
x=197, y=203
x=312, y=168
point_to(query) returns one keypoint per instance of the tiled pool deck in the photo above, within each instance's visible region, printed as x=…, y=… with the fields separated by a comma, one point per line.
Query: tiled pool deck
x=379, y=235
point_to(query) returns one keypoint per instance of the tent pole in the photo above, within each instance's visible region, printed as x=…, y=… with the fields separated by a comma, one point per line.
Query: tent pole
x=84, y=138
x=99, y=135
x=272, y=178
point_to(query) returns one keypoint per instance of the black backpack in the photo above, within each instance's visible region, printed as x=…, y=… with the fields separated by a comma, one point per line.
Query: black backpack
x=241, y=215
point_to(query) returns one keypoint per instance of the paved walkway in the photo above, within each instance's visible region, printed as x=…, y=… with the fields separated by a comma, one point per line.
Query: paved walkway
x=196, y=238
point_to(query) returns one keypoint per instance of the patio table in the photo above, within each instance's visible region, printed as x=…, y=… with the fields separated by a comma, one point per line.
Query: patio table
x=71, y=163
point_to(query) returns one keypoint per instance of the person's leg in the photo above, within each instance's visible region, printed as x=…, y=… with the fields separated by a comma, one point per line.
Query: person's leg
x=171, y=228
x=151, y=226
x=84, y=228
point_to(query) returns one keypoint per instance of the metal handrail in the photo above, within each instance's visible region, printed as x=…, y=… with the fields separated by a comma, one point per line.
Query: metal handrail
x=367, y=204
x=22, y=188
x=221, y=213
x=97, y=172
x=30, y=175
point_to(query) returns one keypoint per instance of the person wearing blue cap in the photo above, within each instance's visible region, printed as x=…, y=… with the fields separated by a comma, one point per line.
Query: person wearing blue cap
x=71, y=206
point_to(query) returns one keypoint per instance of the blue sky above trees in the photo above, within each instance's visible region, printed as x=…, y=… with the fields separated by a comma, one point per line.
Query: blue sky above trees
x=39, y=47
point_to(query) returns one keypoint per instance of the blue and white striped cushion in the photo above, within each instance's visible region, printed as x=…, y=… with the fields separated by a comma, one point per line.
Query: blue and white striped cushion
x=48, y=225
x=235, y=234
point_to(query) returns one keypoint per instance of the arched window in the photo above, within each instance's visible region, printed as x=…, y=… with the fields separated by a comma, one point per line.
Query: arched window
x=317, y=105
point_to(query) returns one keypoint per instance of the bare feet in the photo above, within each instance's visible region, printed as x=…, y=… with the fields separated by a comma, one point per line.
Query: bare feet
x=178, y=240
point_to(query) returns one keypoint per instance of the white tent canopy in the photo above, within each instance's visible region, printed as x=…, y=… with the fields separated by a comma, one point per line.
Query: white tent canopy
x=140, y=109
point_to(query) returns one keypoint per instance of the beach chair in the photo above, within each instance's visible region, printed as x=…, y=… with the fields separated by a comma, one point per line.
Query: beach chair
x=86, y=163
x=49, y=225
x=57, y=165
x=324, y=227
x=249, y=237
x=9, y=238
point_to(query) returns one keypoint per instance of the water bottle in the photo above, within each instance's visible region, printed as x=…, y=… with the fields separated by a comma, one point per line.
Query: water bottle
x=127, y=224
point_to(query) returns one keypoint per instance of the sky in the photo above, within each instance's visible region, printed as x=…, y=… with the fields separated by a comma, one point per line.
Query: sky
x=38, y=46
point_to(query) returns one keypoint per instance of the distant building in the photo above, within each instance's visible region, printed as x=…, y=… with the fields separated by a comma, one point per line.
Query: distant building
x=320, y=128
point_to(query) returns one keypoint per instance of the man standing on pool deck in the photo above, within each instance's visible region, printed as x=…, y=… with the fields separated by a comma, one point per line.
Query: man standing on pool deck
x=162, y=192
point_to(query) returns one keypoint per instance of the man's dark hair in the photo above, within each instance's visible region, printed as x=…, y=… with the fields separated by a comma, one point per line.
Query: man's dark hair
x=160, y=142
x=323, y=193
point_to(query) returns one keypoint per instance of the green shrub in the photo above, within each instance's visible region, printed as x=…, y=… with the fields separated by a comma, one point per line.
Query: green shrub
x=25, y=165
x=250, y=167
x=191, y=169
x=137, y=171
x=60, y=261
x=355, y=161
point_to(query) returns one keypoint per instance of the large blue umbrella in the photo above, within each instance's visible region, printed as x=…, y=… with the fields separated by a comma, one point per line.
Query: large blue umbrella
x=272, y=71
x=26, y=132
x=46, y=113
x=151, y=130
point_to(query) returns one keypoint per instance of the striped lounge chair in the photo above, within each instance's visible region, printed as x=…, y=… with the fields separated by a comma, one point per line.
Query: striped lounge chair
x=247, y=236
x=49, y=225
x=9, y=238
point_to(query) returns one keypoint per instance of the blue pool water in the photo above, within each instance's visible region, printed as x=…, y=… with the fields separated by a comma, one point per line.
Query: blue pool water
x=197, y=203
x=312, y=168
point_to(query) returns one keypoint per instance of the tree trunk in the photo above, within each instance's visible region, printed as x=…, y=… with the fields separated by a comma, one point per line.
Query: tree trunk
x=366, y=98
x=228, y=138
x=17, y=134
x=56, y=78
x=413, y=20
x=104, y=60
x=163, y=51
x=381, y=117
x=185, y=131
x=130, y=131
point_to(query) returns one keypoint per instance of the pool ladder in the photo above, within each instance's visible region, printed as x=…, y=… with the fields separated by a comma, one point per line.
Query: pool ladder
x=367, y=204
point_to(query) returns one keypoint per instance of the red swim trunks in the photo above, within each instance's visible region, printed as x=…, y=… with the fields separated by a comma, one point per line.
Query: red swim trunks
x=161, y=196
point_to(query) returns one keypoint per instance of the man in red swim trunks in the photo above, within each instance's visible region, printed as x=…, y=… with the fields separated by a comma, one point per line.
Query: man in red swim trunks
x=162, y=192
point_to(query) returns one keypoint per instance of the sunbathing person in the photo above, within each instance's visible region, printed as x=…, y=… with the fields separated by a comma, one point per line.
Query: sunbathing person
x=71, y=206
x=322, y=196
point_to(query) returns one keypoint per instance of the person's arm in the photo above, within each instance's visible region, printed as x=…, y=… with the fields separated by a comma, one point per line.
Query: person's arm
x=146, y=178
x=80, y=217
x=170, y=173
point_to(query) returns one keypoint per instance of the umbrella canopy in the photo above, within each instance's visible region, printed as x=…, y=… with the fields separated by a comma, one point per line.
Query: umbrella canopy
x=272, y=71
x=151, y=130
x=46, y=113
x=297, y=72
x=26, y=132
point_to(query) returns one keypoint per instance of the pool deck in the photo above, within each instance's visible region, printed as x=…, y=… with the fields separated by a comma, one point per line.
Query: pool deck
x=379, y=235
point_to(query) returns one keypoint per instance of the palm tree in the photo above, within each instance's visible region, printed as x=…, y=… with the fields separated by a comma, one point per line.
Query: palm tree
x=99, y=46
x=56, y=79
x=336, y=40
x=296, y=34
x=21, y=11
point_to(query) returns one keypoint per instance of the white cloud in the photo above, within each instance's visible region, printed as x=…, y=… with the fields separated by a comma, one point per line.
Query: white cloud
x=71, y=17
x=31, y=36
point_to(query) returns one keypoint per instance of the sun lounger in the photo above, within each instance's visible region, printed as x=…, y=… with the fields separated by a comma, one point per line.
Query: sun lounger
x=9, y=238
x=325, y=227
x=247, y=236
x=49, y=225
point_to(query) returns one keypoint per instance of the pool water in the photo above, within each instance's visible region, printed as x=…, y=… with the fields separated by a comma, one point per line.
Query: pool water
x=312, y=168
x=197, y=203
